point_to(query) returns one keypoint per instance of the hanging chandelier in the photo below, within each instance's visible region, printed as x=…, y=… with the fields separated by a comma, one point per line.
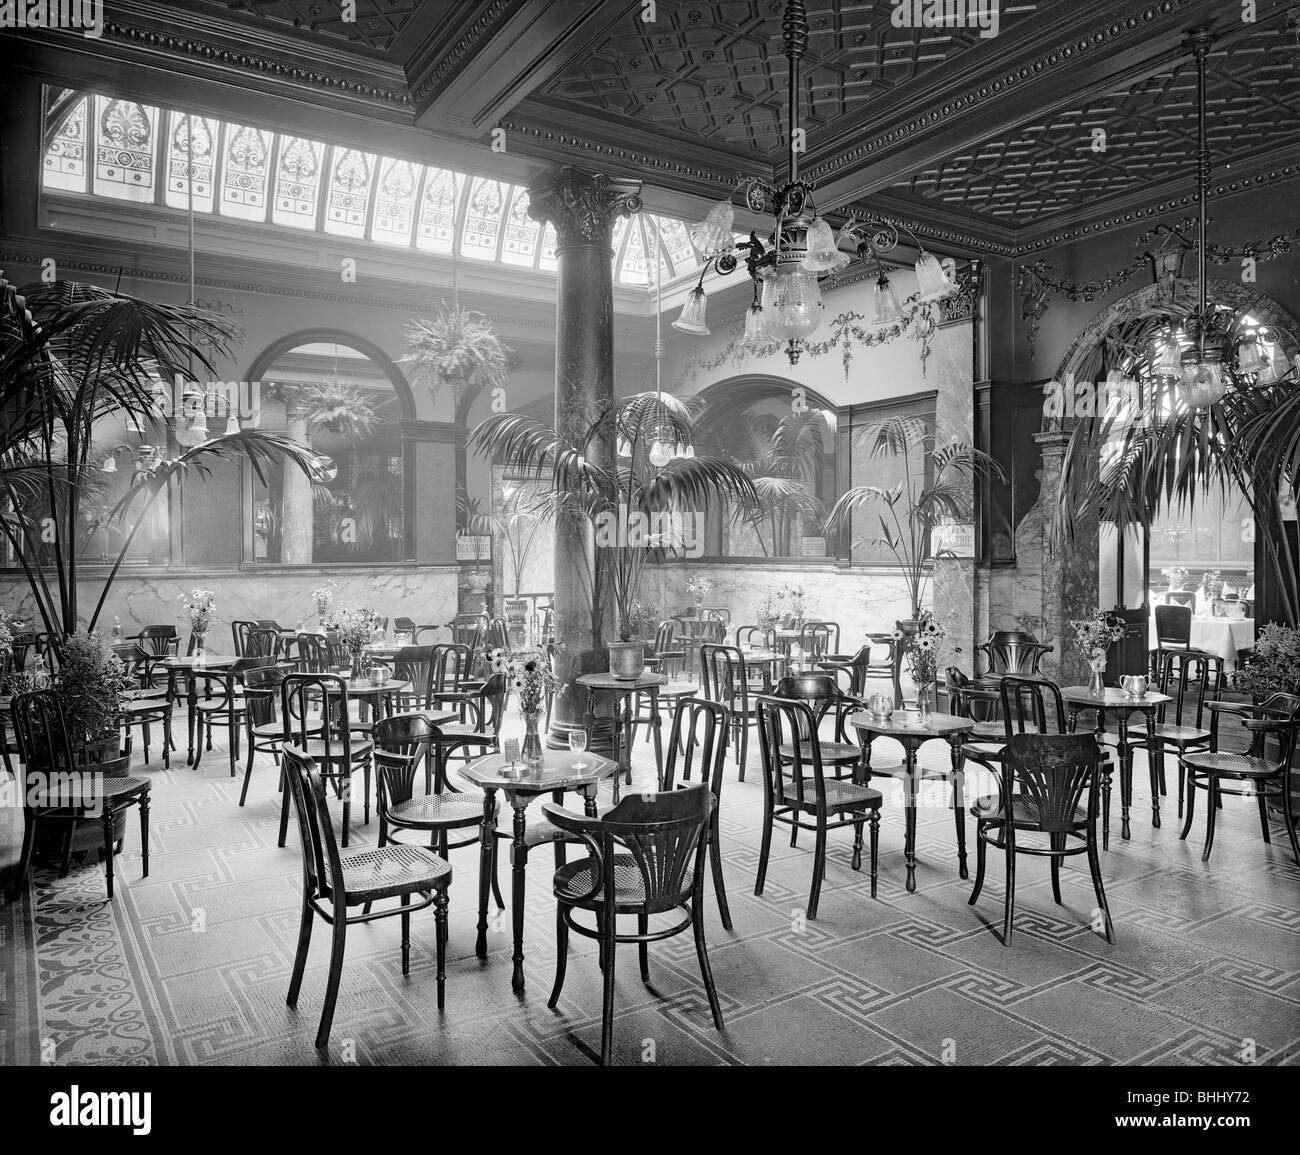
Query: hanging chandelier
x=802, y=249
x=1211, y=350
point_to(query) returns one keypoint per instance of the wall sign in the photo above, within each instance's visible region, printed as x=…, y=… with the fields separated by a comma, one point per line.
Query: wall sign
x=472, y=547
x=954, y=539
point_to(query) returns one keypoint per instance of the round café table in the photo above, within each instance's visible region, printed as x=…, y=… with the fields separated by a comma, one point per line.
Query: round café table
x=948, y=727
x=625, y=715
x=188, y=666
x=520, y=785
x=1080, y=698
x=768, y=661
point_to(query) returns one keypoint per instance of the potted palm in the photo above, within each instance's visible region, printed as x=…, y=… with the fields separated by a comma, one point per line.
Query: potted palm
x=634, y=507
x=937, y=486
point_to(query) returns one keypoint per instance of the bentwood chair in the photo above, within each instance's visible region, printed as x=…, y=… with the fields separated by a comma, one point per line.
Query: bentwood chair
x=889, y=664
x=414, y=664
x=854, y=667
x=57, y=788
x=984, y=743
x=815, y=641
x=754, y=637
x=1256, y=772
x=1174, y=639
x=668, y=657
x=724, y=678
x=313, y=655
x=701, y=725
x=482, y=709
x=333, y=882
x=647, y=858
x=223, y=707
x=1048, y=786
x=239, y=631
x=262, y=642
x=326, y=737
x=820, y=693
x=263, y=728
x=1177, y=728
x=1013, y=652
x=796, y=787
x=405, y=744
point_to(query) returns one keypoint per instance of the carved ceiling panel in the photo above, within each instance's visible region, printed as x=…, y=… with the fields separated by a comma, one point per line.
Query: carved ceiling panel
x=714, y=69
x=378, y=23
x=1065, y=162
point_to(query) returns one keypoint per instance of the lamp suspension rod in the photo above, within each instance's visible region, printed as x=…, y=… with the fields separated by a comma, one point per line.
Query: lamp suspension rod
x=795, y=27
x=659, y=304
x=1201, y=41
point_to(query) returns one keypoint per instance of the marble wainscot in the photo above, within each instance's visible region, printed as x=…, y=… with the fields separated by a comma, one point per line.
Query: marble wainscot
x=426, y=593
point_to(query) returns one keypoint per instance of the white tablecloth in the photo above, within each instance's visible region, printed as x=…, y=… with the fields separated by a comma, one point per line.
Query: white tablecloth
x=1222, y=637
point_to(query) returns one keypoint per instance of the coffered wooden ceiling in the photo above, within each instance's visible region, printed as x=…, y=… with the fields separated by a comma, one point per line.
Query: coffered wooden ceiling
x=980, y=143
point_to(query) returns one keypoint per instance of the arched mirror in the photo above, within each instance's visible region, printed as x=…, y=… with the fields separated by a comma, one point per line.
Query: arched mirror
x=343, y=403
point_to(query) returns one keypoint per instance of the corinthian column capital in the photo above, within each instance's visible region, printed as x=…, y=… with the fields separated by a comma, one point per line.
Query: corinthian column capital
x=582, y=206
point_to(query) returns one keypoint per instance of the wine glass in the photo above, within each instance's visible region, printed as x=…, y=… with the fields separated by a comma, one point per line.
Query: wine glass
x=578, y=743
x=511, y=750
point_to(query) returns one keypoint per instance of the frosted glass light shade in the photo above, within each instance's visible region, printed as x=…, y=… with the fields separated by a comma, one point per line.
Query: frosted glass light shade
x=755, y=337
x=932, y=278
x=714, y=233
x=823, y=255
x=692, y=315
x=795, y=308
x=887, y=308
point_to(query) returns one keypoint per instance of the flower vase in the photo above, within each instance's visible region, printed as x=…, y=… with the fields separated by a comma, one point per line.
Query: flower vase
x=1095, y=683
x=355, y=672
x=531, y=754
x=200, y=648
x=923, y=700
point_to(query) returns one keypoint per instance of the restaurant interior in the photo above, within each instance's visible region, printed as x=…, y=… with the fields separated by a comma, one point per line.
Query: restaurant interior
x=821, y=474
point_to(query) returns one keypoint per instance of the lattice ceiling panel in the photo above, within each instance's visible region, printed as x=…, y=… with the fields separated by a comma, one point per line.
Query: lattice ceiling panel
x=378, y=22
x=715, y=69
x=1253, y=103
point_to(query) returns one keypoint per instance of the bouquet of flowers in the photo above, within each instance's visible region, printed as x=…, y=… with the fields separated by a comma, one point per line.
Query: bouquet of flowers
x=528, y=674
x=1274, y=668
x=698, y=586
x=199, y=605
x=767, y=613
x=323, y=596
x=355, y=624
x=1176, y=576
x=924, y=653
x=1096, y=635
x=796, y=599
x=1212, y=583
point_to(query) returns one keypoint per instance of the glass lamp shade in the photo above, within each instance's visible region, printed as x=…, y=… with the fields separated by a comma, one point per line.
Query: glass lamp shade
x=196, y=432
x=1167, y=360
x=1202, y=379
x=661, y=453
x=1252, y=357
x=887, y=308
x=692, y=315
x=755, y=337
x=823, y=255
x=232, y=424
x=623, y=448
x=110, y=464
x=714, y=233
x=932, y=278
x=795, y=308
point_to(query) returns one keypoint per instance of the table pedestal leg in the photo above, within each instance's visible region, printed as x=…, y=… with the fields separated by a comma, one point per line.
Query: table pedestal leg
x=1125, y=781
x=959, y=803
x=192, y=704
x=1151, y=762
x=909, y=804
x=1105, y=805
x=518, y=861
x=487, y=835
x=625, y=750
x=658, y=736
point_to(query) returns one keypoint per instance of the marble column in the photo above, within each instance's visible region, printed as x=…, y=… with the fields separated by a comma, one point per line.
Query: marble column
x=583, y=208
x=1069, y=588
x=295, y=501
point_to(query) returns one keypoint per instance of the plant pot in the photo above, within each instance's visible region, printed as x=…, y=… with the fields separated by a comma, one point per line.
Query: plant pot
x=626, y=660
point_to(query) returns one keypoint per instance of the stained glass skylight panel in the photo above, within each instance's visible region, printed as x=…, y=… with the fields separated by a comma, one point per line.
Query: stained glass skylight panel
x=483, y=218
x=522, y=232
x=632, y=267
x=191, y=159
x=395, y=201
x=65, y=159
x=437, y=223
x=349, y=191
x=548, y=260
x=125, y=145
x=297, y=181
x=245, y=172
x=677, y=246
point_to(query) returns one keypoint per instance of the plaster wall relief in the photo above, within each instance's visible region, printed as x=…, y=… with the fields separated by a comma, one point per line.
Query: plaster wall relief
x=428, y=595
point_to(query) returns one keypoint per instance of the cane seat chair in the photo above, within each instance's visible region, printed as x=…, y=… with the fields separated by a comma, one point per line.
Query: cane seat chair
x=334, y=882
x=724, y=678
x=1256, y=771
x=798, y=787
x=1176, y=727
x=754, y=637
x=985, y=742
x=263, y=727
x=824, y=697
x=854, y=667
x=262, y=642
x=888, y=653
x=815, y=640
x=414, y=664
x=239, y=631
x=668, y=651
x=57, y=788
x=1048, y=786
x=1174, y=640
x=1013, y=652
x=647, y=858
x=700, y=726
x=326, y=737
x=222, y=706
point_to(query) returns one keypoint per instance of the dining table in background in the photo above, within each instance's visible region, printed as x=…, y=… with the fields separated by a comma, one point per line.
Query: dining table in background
x=187, y=666
x=1122, y=704
x=769, y=661
x=624, y=692
x=520, y=785
x=911, y=736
